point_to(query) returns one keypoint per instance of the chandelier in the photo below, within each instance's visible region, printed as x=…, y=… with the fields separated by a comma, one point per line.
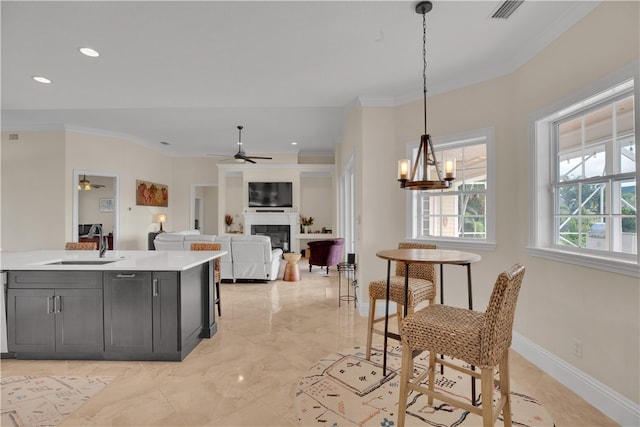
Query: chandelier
x=419, y=177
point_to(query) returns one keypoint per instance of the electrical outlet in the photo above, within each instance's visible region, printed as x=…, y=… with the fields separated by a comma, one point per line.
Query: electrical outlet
x=577, y=348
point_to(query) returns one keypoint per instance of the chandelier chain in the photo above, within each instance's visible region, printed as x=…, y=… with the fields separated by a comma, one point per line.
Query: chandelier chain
x=424, y=67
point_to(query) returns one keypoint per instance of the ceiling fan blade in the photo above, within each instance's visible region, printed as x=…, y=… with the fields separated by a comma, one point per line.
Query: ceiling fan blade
x=218, y=155
x=248, y=159
x=258, y=157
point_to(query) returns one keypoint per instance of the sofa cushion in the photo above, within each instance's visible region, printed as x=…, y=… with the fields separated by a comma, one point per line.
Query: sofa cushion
x=169, y=242
x=170, y=237
x=250, y=241
x=199, y=238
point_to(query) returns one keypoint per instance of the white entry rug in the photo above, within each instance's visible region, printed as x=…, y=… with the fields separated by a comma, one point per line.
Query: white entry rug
x=45, y=401
x=345, y=389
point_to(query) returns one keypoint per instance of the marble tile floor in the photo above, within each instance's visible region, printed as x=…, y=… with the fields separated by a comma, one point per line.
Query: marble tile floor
x=268, y=336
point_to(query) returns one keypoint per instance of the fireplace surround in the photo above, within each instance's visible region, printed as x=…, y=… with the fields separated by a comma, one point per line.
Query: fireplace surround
x=255, y=222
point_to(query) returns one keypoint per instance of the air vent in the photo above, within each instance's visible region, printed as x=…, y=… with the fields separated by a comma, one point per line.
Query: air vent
x=13, y=137
x=506, y=9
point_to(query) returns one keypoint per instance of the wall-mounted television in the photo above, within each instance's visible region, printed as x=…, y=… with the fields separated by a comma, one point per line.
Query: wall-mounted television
x=270, y=195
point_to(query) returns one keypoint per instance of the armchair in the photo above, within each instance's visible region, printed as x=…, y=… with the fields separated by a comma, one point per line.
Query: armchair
x=326, y=253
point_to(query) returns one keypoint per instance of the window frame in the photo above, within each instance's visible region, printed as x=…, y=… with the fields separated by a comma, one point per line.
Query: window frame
x=412, y=197
x=543, y=175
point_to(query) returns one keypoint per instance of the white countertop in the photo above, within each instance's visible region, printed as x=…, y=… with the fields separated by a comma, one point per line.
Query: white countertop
x=45, y=260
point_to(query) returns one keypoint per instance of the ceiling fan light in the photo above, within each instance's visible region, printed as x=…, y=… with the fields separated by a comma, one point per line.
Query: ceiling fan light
x=41, y=79
x=89, y=52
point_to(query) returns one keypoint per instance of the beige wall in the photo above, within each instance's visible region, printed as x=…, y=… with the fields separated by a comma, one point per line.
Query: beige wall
x=188, y=171
x=210, y=196
x=105, y=154
x=318, y=200
x=33, y=185
x=564, y=301
x=351, y=146
x=559, y=302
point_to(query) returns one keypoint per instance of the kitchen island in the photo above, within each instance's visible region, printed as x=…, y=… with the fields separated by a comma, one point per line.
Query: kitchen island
x=129, y=305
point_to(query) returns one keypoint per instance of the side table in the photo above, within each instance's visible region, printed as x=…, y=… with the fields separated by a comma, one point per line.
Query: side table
x=150, y=238
x=291, y=270
x=349, y=271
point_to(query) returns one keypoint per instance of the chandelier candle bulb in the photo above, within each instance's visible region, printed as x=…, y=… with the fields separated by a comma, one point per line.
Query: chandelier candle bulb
x=449, y=169
x=403, y=169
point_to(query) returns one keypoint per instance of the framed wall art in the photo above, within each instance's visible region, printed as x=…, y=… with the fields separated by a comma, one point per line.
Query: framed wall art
x=151, y=194
x=105, y=205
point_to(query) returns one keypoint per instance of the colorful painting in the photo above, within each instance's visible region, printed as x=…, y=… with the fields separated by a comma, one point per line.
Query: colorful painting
x=151, y=194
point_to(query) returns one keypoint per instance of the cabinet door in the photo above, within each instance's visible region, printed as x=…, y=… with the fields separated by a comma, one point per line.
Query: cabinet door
x=128, y=312
x=79, y=324
x=165, y=312
x=31, y=321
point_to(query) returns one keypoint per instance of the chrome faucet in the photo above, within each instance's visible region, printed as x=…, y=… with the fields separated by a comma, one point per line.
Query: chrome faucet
x=102, y=244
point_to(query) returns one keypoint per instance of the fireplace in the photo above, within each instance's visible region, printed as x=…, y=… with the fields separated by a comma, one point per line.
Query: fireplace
x=280, y=235
x=257, y=222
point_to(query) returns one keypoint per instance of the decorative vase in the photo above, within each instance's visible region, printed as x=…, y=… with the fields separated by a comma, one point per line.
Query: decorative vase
x=228, y=229
x=306, y=229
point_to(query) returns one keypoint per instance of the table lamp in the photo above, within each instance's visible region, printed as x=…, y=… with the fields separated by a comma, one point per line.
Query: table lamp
x=161, y=218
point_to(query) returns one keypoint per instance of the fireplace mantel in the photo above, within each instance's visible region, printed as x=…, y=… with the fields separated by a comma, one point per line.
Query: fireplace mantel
x=274, y=218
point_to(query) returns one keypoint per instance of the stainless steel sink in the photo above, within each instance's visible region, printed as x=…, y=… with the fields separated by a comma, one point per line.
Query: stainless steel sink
x=84, y=262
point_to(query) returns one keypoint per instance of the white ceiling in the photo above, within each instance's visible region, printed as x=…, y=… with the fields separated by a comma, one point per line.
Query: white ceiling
x=189, y=72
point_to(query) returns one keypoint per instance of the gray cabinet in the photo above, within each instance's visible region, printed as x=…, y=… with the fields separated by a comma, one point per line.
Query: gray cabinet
x=29, y=320
x=141, y=312
x=114, y=315
x=166, y=337
x=55, y=312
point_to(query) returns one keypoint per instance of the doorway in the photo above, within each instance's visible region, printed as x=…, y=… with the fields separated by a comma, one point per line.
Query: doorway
x=204, y=208
x=96, y=199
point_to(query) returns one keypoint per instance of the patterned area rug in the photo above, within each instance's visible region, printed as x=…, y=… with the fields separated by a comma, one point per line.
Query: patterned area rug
x=45, y=401
x=345, y=389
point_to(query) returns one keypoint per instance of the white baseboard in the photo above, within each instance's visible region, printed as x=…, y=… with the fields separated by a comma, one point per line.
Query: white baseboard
x=606, y=400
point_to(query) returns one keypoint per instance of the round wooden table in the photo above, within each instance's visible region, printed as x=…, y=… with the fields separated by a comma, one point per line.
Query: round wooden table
x=423, y=256
x=291, y=270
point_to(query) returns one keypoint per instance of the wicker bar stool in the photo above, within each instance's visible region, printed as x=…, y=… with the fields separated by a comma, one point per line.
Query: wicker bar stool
x=479, y=339
x=81, y=246
x=422, y=287
x=216, y=270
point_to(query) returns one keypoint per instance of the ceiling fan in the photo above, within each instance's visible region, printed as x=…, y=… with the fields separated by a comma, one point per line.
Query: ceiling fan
x=85, y=185
x=241, y=156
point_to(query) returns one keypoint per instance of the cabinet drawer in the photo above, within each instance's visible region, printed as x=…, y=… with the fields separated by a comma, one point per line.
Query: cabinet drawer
x=55, y=279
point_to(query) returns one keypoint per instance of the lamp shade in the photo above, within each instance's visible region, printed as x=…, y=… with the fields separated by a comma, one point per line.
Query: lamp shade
x=161, y=218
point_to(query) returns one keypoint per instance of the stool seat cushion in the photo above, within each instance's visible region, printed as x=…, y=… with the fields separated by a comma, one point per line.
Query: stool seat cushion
x=419, y=290
x=446, y=330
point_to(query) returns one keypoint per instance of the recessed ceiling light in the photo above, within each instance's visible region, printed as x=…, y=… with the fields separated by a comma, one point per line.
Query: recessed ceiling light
x=89, y=52
x=41, y=79
x=294, y=143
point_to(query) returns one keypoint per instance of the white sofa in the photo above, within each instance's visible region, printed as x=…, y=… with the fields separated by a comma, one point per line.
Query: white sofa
x=248, y=257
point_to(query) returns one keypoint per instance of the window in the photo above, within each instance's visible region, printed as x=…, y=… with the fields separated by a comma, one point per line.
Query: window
x=590, y=214
x=464, y=213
